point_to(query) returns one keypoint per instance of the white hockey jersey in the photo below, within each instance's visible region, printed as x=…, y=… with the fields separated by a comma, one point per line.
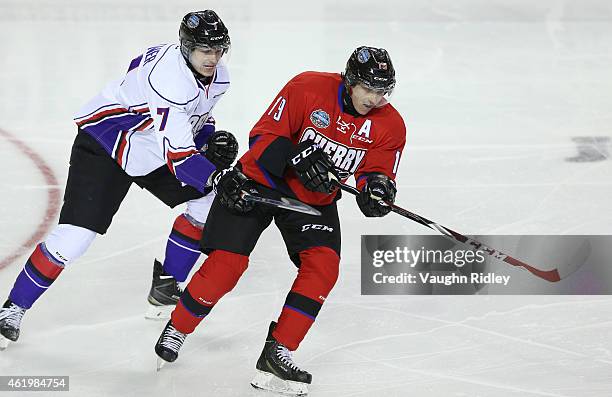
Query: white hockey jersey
x=156, y=114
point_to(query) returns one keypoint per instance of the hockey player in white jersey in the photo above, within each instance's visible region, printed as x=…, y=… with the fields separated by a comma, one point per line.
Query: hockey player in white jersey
x=152, y=127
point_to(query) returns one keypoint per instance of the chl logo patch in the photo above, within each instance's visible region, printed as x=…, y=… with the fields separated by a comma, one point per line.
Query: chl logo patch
x=193, y=21
x=344, y=157
x=320, y=118
x=363, y=56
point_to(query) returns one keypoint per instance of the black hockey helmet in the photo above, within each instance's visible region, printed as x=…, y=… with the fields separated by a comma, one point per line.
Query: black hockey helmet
x=371, y=67
x=203, y=29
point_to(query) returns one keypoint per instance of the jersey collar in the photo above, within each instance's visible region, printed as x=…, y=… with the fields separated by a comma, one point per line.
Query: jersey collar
x=344, y=101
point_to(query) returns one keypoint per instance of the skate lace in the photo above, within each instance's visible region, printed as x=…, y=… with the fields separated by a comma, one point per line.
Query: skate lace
x=175, y=289
x=12, y=315
x=284, y=355
x=173, y=339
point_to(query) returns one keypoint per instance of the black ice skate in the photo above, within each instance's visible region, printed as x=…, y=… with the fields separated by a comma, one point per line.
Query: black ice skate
x=164, y=294
x=168, y=345
x=276, y=370
x=10, y=322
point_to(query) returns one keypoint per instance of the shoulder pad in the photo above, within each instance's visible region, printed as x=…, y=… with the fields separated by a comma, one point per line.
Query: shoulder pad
x=395, y=126
x=171, y=80
x=397, y=118
x=315, y=81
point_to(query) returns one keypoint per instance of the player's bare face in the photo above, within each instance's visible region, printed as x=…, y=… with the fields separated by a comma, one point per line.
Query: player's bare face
x=204, y=60
x=365, y=99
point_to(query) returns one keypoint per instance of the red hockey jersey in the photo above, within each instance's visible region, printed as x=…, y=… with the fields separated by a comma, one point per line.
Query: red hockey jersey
x=310, y=107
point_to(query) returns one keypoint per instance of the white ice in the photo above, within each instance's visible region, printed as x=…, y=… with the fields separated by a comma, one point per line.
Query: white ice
x=492, y=91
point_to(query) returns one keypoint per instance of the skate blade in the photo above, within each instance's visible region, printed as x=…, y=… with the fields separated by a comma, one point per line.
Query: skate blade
x=160, y=363
x=4, y=342
x=267, y=381
x=159, y=313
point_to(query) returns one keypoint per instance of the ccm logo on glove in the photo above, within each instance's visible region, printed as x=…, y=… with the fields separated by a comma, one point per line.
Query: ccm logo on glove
x=304, y=153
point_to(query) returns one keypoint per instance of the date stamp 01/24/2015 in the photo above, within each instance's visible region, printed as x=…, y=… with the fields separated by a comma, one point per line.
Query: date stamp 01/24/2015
x=34, y=383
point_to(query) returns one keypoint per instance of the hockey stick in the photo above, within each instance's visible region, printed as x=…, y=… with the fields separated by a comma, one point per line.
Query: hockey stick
x=553, y=275
x=285, y=203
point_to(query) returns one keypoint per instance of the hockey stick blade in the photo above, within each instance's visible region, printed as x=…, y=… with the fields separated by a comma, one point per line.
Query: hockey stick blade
x=553, y=275
x=4, y=342
x=160, y=364
x=285, y=203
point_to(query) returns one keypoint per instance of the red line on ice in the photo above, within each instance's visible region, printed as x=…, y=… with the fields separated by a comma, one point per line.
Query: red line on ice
x=53, y=200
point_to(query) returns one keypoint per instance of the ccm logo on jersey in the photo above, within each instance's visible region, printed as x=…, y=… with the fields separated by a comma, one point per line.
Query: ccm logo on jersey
x=344, y=157
x=312, y=226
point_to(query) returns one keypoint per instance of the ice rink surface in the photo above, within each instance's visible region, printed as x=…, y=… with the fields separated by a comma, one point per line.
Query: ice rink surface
x=494, y=94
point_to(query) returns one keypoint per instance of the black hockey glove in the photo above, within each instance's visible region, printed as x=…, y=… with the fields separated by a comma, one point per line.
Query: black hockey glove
x=378, y=189
x=313, y=167
x=229, y=184
x=221, y=149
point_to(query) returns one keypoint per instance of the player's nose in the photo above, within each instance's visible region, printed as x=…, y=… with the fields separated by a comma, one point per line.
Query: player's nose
x=372, y=101
x=375, y=99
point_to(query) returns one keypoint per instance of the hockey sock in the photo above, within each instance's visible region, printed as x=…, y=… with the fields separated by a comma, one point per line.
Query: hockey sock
x=39, y=272
x=182, y=248
x=218, y=275
x=316, y=277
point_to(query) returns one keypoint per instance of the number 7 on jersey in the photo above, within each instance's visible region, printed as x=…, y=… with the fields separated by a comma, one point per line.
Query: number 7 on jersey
x=164, y=113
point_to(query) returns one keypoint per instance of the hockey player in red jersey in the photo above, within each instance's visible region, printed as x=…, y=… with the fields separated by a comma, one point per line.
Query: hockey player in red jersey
x=320, y=128
x=152, y=127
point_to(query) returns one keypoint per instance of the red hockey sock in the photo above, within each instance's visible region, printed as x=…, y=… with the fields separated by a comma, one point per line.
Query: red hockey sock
x=316, y=277
x=218, y=275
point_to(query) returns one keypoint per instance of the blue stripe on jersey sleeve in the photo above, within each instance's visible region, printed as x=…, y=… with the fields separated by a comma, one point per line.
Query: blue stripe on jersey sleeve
x=107, y=130
x=195, y=171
